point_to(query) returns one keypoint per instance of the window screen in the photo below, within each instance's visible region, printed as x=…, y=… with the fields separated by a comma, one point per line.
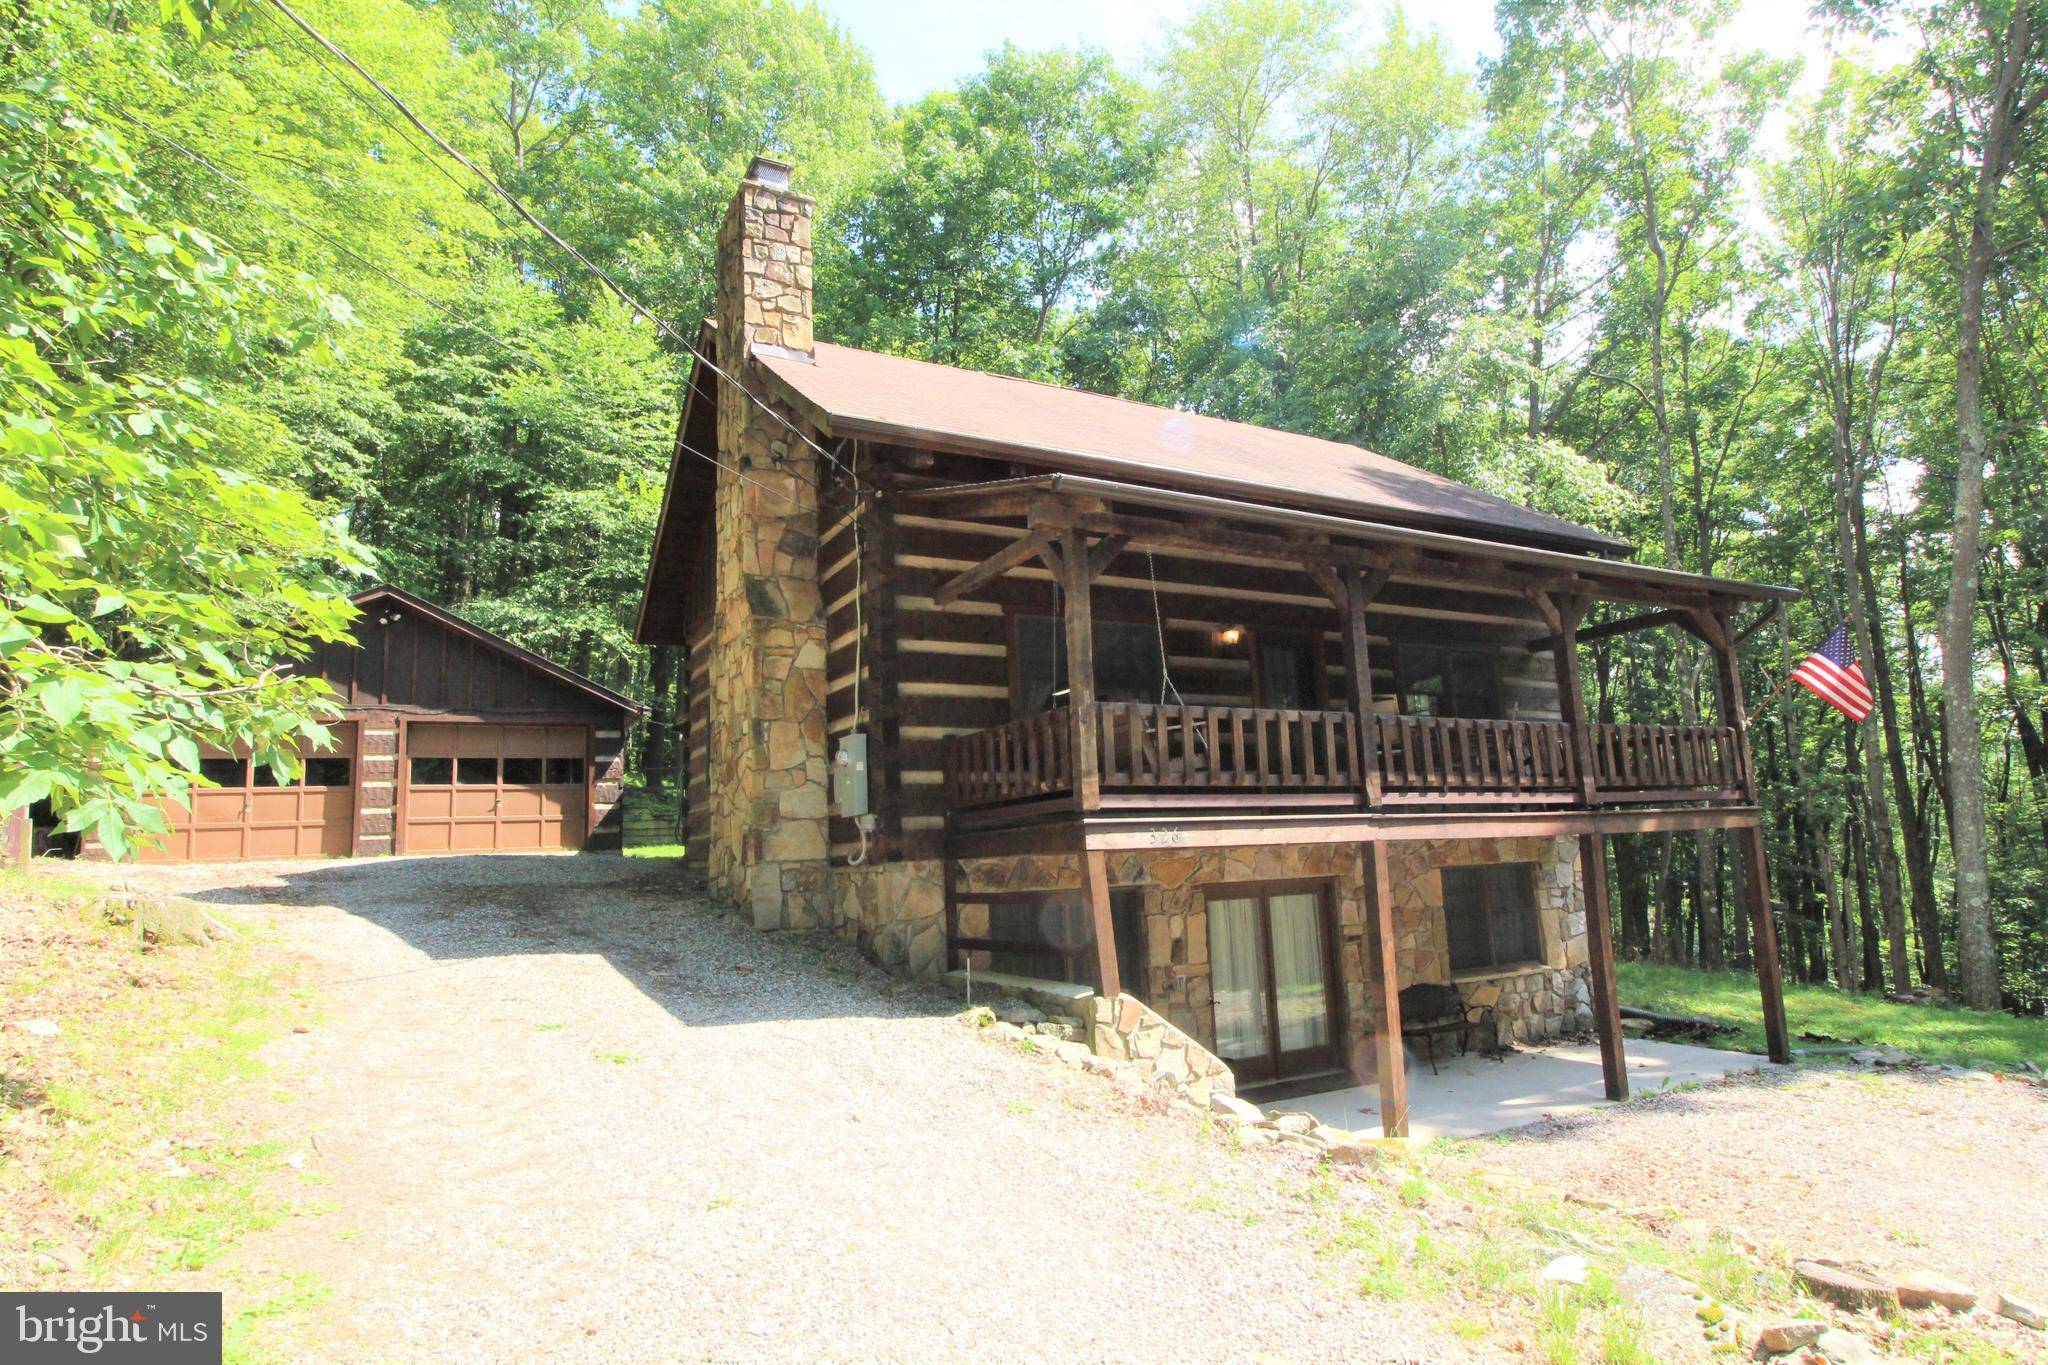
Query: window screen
x=1449, y=682
x=433, y=772
x=1490, y=916
x=1126, y=662
x=1127, y=919
x=1287, y=674
x=476, y=772
x=564, y=772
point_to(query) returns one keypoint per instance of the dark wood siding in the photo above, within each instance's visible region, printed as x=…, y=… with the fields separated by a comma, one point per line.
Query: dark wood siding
x=413, y=664
x=931, y=674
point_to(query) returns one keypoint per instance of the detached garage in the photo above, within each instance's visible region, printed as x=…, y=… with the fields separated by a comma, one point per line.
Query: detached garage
x=454, y=740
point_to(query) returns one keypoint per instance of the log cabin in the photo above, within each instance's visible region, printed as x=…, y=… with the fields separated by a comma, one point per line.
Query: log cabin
x=1256, y=727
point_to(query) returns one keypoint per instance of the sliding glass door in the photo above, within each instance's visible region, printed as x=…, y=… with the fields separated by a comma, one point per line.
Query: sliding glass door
x=1270, y=979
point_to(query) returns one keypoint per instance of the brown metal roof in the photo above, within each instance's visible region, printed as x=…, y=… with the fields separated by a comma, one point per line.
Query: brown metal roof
x=864, y=393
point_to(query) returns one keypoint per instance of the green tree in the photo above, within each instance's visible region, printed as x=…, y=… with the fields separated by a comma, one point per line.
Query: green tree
x=151, y=590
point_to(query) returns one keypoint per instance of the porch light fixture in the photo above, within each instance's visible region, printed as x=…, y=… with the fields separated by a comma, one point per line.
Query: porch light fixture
x=1230, y=635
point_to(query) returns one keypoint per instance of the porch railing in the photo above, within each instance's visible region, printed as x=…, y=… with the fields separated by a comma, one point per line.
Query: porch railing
x=1444, y=754
x=1228, y=747
x=1651, y=759
x=1315, y=755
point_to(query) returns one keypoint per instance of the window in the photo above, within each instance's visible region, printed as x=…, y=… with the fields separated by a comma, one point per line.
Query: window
x=522, y=772
x=327, y=772
x=1042, y=936
x=1126, y=662
x=1127, y=921
x=263, y=775
x=1288, y=674
x=476, y=772
x=433, y=772
x=564, y=772
x=1449, y=682
x=1490, y=916
x=224, y=772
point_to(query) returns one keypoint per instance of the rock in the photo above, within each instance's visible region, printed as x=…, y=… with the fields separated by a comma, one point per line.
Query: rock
x=1073, y=1054
x=1018, y=1013
x=1327, y=1135
x=1789, y=1336
x=1301, y=1125
x=1097, y=1066
x=1352, y=1154
x=1843, y=1348
x=1843, y=1287
x=980, y=1016
x=1567, y=1270
x=2024, y=1313
x=1881, y=1056
x=1925, y=1289
x=1243, y=1110
x=41, y=1028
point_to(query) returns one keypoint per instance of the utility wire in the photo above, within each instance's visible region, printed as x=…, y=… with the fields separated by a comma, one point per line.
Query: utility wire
x=535, y=222
x=395, y=282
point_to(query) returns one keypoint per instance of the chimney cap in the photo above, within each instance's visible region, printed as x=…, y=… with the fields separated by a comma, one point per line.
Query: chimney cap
x=768, y=171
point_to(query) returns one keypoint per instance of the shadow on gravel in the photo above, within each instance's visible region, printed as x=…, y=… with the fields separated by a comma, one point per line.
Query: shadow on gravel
x=648, y=917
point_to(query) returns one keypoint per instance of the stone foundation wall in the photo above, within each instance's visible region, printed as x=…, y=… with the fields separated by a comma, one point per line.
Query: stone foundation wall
x=895, y=914
x=1530, y=1003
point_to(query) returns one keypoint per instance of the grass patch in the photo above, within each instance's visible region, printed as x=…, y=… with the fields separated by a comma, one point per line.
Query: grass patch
x=131, y=1155
x=1942, y=1032
x=655, y=851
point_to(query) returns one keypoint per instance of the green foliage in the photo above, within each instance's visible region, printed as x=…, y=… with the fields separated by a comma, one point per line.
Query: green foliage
x=1938, y=1032
x=151, y=589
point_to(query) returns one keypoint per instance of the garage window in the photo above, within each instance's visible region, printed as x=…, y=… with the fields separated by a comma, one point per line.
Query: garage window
x=563, y=772
x=522, y=772
x=224, y=772
x=433, y=772
x=476, y=772
x=326, y=772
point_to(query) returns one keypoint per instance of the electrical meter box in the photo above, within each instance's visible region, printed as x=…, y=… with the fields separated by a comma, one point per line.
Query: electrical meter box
x=850, y=776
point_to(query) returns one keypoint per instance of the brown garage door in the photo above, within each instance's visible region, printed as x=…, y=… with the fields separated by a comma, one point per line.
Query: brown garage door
x=478, y=788
x=250, y=815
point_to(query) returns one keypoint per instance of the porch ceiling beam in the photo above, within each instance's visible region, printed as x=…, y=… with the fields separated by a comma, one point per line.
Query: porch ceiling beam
x=1615, y=580
x=1647, y=620
x=1758, y=622
x=992, y=568
x=1111, y=832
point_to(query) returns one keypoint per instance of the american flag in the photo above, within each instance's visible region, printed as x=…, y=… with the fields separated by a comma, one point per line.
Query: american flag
x=1834, y=674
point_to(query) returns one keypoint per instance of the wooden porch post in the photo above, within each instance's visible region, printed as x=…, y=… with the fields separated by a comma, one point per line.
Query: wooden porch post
x=1076, y=582
x=1600, y=960
x=1360, y=586
x=1095, y=886
x=1752, y=868
x=1385, y=966
x=1566, y=610
x=1763, y=930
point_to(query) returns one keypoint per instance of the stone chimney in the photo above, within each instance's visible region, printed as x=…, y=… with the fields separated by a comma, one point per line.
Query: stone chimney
x=768, y=760
x=764, y=264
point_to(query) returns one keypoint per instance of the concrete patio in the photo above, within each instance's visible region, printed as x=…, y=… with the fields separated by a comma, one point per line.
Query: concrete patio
x=1473, y=1095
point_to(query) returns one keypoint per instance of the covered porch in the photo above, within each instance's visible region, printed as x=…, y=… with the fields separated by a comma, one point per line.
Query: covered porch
x=1091, y=779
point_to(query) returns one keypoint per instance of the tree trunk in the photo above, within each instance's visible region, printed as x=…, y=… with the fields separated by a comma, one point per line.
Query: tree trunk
x=2012, y=99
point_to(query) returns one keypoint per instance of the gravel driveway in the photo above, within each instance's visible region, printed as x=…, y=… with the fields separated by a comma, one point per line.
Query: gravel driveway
x=557, y=1106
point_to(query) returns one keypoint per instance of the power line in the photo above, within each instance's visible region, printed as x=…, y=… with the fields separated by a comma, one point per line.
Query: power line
x=534, y=221
x=390, y=278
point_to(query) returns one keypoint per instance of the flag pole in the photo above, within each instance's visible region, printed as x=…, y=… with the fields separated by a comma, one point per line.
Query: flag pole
x=1765, y=704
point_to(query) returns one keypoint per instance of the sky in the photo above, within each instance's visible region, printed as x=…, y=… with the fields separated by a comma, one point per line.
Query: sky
x=925, y=45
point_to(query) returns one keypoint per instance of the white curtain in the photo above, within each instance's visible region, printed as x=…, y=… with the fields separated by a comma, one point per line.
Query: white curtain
x=1298, y=971
x=1237, y=981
